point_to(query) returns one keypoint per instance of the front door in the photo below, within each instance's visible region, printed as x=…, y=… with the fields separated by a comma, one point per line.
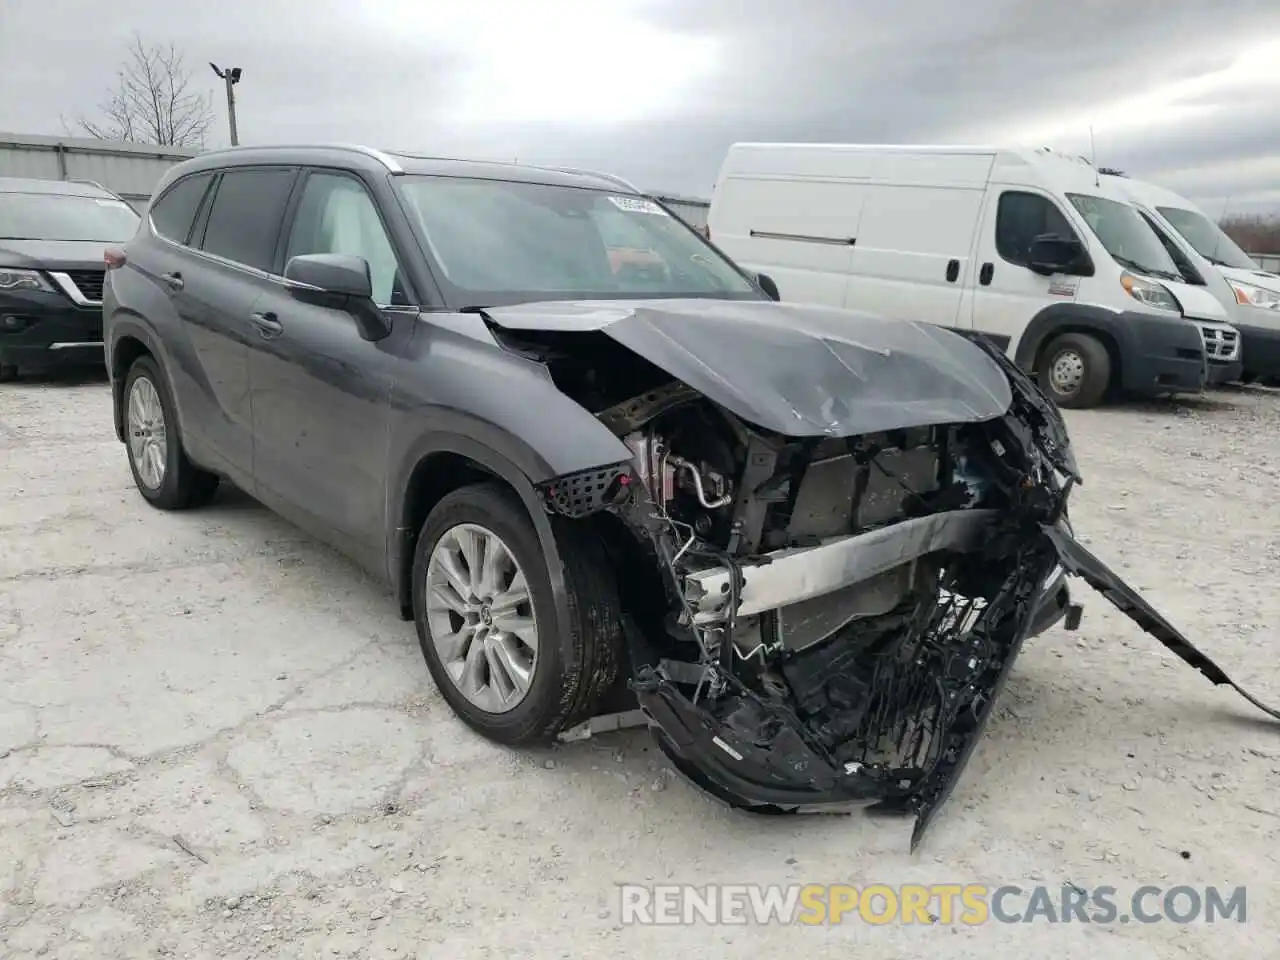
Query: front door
x=1005, y=293
x=320, y=391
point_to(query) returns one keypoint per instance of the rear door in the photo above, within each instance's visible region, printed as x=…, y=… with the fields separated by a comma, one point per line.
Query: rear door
x=1007, y=293
x=214, y=288
x=320, y=391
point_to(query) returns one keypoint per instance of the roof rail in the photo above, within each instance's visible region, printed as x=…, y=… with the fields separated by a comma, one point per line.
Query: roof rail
x=603, y=176
x=92, y=183
x=385, y=159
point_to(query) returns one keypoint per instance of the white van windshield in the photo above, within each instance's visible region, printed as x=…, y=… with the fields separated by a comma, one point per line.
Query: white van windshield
x=1207, y=238
x=1126, y=236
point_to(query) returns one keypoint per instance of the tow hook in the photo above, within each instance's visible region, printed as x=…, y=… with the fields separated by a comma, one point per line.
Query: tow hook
x=1071, y=620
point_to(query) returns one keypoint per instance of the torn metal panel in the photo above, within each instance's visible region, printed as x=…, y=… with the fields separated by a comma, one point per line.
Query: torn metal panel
x=1098, y=575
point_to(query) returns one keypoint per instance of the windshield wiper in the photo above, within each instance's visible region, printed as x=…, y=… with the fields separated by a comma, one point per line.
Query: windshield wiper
x=1143, y=268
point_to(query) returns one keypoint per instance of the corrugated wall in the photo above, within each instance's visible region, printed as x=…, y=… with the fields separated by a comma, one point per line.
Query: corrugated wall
x=131, y=170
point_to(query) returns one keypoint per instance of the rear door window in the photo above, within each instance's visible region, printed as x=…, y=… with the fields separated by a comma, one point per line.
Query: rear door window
x=173, y=213
x=244, y=221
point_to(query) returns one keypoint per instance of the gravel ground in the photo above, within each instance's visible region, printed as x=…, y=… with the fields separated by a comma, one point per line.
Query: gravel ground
x=217, y=740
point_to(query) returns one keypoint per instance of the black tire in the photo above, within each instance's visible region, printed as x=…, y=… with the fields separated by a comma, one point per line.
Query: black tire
x=574, y=669
x=184, y=485
x=1094, y=379
x=8, y=372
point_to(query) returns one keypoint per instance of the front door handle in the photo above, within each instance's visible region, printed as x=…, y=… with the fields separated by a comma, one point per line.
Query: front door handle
x=985, y=274
x=174, y=280
x=267, y=323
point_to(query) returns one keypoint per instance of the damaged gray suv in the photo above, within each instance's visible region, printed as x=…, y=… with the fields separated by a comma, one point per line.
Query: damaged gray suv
x=602, y=468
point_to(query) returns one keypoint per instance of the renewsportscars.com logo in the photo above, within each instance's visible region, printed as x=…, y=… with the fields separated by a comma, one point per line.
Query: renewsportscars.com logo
x=946, y=903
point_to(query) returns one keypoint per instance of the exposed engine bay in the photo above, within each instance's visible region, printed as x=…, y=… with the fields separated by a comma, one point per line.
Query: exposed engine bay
x=826, y=620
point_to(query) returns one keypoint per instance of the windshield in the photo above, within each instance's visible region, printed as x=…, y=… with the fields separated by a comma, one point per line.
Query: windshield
x=1207, y=238
x=1125, y=235
x=500, y=242
x=53, y=216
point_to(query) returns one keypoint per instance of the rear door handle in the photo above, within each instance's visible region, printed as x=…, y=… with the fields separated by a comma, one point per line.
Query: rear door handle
x=174, y=280
x=953, y=270
x=267, y=323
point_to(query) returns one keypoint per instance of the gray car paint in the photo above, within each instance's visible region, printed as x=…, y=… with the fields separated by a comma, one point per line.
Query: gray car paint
x=440, y=384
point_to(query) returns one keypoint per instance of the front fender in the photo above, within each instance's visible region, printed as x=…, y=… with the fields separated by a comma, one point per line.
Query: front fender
x=504, y=456
x=1056, y=317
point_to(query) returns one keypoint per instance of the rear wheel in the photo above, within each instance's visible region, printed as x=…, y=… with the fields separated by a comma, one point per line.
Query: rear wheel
x=161, y=471
x=1075, y=370
x=486, y=617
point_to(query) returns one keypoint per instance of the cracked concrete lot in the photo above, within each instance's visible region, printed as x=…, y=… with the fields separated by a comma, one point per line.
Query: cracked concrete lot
x=217, y=740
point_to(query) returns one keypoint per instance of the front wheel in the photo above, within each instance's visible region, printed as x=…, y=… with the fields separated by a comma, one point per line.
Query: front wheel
x=1075, y=370
x=487, y=621
x=161, y=471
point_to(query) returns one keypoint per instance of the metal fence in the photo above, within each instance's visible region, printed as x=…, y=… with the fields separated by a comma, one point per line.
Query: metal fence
x=128, y=169
x=1267, y=261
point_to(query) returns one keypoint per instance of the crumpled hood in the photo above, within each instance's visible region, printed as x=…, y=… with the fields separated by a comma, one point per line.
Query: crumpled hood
x=795, y=369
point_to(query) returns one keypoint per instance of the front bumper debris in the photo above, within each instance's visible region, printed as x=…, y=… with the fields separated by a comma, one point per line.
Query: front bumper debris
x=757, y=757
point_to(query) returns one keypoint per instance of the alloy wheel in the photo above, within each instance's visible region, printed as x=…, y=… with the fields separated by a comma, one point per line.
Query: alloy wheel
x=148, y=446
x=480, y=616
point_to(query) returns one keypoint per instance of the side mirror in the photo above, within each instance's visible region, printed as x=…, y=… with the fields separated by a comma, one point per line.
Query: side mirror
x=339, y=281
x=336, y=274
x=1050, y=254
x=770, y=288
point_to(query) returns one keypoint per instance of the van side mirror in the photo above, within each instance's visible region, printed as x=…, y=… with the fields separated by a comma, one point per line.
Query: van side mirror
x=765, y=282
x=1050, y=254
x=341, y=282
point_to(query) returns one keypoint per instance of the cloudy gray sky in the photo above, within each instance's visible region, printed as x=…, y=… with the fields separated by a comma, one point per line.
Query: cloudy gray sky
x=1185, y=92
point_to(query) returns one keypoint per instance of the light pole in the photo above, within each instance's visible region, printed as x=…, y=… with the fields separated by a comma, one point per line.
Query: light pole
x=231, y=76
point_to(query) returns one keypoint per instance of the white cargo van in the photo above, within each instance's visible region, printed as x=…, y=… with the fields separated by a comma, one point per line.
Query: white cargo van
x=1028, y=247
x=1212, y=259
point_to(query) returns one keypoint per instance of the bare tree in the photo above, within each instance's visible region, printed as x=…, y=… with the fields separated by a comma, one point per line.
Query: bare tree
x=1255, y=233
x=153, y=101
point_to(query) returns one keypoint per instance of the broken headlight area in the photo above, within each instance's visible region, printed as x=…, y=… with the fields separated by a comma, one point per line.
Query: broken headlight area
x=831, y=617
x=825, y=622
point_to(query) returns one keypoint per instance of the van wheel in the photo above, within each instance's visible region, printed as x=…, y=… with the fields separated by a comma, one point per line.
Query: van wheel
x=486, y=617
x=1075, y=370
x=8, y=372
x=161, y=471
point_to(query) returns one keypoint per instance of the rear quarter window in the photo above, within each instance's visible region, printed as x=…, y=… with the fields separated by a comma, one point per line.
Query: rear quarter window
x=173, y=213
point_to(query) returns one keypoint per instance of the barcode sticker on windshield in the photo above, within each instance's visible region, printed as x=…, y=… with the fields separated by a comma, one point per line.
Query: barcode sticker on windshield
x=638, y=205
